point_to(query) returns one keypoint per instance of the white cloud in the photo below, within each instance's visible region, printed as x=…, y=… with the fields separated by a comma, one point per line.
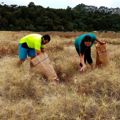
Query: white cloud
x=65, y=3
x=97, y=3
x=115, y=3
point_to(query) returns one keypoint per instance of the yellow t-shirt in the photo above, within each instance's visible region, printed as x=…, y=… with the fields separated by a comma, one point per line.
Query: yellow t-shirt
x=33, y=41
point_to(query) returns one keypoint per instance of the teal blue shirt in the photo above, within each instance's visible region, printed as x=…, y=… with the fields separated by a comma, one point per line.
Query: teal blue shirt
x=80, y=38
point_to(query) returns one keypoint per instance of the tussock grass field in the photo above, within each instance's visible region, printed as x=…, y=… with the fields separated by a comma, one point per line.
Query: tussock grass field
x=93, y=95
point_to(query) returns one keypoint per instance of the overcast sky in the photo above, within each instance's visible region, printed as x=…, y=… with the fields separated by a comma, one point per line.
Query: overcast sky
x=65, y=3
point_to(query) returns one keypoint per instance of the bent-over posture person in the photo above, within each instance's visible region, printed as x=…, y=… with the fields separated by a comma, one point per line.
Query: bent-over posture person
x=83, y=44
x=31, y=45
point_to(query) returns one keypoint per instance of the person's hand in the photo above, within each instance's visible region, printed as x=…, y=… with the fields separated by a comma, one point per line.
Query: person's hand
x=102, y=42
x=42, y=50
x=31, y=64
x=92, y=66
x=82, y=69
x=38, y=52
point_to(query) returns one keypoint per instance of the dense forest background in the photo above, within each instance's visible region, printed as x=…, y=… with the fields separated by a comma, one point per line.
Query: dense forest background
x=80, y=18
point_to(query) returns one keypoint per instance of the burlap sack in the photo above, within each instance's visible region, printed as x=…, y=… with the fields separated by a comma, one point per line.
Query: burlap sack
x=101, y=55
x=41, y=64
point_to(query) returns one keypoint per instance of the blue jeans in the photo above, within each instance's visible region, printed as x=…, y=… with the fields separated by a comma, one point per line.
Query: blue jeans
x=24, y=52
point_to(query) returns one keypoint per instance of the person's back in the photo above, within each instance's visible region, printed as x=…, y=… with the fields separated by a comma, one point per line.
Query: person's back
x=32, y=40
x=80, y=38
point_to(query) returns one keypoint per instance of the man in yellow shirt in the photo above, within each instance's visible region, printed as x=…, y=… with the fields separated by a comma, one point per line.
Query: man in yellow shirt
x=31, y=45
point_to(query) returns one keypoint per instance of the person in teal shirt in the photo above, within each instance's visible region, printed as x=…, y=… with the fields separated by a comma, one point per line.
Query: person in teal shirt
x=83, y=44
x=31, y=45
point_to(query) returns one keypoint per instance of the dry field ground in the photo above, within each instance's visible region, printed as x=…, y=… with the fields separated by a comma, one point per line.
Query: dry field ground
x=93, y=95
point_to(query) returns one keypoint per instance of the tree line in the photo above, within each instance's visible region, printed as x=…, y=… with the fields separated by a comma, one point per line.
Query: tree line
x=37, y=18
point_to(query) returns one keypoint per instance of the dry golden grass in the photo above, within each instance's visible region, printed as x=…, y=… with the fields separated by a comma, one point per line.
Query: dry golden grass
x=93, y=95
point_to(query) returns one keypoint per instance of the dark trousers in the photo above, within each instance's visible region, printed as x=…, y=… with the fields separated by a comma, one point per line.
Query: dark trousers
x=87, y=56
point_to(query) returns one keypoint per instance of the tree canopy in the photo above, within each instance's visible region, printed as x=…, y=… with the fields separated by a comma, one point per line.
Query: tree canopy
x=37, y=18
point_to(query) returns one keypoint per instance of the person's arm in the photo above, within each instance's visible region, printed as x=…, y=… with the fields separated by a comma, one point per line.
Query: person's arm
x=101, y=42
x=38, y=47
x=42, y=50
x=82, y=62
x=38, y=52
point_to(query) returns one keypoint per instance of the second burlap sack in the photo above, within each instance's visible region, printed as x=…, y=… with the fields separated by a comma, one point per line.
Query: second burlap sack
x=101, y=55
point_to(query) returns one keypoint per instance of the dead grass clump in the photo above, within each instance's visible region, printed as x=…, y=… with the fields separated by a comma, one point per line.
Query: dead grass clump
x=8, y=48
x=101, y=83
x=18, y=111
x=55, y=45
x=18, y=83
x=69, y=106
x=100, y=88
x=25, y=110
x=65, y=66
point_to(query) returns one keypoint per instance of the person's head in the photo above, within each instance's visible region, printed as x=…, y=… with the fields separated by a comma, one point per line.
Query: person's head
x=87, y=41
x=45, y=39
